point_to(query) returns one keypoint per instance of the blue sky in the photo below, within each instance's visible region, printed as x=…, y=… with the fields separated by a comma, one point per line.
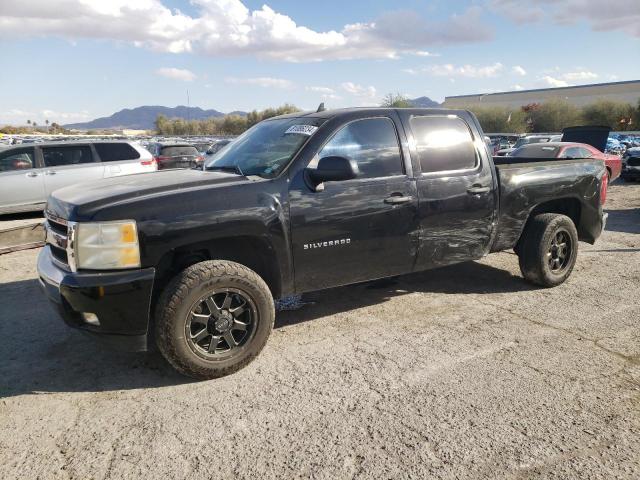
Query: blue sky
x=74, y=60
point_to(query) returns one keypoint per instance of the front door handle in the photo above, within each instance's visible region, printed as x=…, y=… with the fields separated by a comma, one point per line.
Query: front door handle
x=32, y=174
x=478, y=189
x=397, y=199
x=50, y=172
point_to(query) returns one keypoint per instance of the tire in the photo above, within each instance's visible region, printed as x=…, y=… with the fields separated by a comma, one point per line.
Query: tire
x=542, y=263
x=192, y=314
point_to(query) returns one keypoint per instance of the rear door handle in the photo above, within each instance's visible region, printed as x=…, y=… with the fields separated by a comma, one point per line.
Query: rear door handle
x=397, y=199
x=478, y=189
x=50, y=172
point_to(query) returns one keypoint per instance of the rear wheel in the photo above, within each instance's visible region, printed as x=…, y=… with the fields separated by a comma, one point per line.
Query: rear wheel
x=213, y=319
x=548, y=250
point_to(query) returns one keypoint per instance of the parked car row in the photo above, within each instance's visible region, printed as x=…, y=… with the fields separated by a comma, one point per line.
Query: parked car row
x=574, y=143
x=631, y=164
x=31, y=169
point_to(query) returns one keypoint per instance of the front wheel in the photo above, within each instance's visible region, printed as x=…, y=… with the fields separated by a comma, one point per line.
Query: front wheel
x=213, y=319
x=548, y=250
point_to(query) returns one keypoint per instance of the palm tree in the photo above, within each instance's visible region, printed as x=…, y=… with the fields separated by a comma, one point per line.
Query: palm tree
x=28, y=122
x=47, y=124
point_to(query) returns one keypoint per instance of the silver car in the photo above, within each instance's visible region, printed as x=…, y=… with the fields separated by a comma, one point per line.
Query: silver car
x=29, y=173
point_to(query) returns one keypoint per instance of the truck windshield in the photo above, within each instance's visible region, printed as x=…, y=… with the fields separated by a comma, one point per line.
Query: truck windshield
x=266, y=148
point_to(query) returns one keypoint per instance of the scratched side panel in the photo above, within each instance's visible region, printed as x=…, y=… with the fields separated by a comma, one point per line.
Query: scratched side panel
x=523, y=186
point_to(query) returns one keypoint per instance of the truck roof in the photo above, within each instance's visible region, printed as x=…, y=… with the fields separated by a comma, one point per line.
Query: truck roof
x=326, y=114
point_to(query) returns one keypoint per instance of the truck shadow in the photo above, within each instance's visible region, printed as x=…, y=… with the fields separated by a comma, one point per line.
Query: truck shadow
x=470, y=277
x=624, y=221
x=41, y=354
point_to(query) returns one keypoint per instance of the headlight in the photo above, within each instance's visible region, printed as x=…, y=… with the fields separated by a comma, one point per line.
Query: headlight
x=107, y=246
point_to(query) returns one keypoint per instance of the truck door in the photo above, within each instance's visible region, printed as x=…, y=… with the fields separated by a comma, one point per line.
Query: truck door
x=359, y=229
x=456, y=189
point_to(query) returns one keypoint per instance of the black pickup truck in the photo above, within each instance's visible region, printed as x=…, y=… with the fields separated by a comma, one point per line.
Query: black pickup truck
x=195, y=258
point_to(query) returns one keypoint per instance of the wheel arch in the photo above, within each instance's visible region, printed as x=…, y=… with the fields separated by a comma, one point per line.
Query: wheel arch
x=254, y=252
x=568, y=206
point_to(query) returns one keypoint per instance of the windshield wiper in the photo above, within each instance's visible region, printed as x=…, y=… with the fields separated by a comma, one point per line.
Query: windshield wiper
x=227, y=168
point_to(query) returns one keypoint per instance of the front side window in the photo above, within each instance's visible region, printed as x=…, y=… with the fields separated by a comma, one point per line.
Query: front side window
x=61, y=156
x=443, y=144
x=17, y=159
x=372, y=143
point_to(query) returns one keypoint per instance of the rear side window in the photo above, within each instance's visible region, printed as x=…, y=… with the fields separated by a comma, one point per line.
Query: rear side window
x=60, y=156
x=17, y=159
x=443, y=144
x=112, y=152
x=176, y=151
x=372, y=143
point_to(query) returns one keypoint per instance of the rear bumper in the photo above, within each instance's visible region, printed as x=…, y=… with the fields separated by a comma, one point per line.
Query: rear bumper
x=120, y=300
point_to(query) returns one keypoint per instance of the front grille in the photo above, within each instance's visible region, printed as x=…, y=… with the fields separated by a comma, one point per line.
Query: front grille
x=57, y=227
x=59, y=254
x=57, y=238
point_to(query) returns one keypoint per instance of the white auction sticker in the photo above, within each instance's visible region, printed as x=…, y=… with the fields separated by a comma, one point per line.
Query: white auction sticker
x=302, y=129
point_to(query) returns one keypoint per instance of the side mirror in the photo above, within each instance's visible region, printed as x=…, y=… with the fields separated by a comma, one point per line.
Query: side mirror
x=332, y=169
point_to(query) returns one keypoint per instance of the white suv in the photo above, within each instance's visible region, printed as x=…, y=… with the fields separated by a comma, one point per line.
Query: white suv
x=29, y=173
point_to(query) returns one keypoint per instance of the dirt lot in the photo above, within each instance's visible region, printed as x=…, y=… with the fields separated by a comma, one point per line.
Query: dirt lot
x=463, y=372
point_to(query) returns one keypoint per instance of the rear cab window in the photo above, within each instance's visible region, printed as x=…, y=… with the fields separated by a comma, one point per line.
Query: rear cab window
x=444, y=143
x=113, y=152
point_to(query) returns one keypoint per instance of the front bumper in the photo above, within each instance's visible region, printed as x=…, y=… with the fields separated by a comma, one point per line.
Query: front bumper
x=120, y=300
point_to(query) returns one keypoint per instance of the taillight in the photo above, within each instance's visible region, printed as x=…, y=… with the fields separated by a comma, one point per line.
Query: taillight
x=147, y=163
x=603, y=188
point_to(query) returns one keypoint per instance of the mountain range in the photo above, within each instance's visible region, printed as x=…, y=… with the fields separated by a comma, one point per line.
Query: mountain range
x=143, y=118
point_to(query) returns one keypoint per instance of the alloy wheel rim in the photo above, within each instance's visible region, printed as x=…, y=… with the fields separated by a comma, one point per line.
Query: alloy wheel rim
x=220, y=323
x=559, y=252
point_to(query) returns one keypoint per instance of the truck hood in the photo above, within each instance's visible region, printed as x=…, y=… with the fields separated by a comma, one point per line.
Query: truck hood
x=109, y=191
x=596, y=136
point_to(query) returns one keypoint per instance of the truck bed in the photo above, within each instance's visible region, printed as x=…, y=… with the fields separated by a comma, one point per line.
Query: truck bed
x=524, y=186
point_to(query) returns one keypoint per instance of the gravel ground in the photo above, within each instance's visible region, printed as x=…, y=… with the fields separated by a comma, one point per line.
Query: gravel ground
x=463, y=372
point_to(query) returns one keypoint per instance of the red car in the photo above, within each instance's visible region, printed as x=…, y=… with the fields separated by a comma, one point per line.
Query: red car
x=570, y=150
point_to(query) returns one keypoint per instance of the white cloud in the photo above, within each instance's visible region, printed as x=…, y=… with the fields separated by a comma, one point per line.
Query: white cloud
x=555, y=82
x=470, y=71
x=324, y=90
x=517, y=87
x=424, y=53
x=229, y=28
x=177, y=74
x=19, y=116
x=618, y=15
x=359, y=90
x=578, y=76
x=266, y=82
x=518, y=70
